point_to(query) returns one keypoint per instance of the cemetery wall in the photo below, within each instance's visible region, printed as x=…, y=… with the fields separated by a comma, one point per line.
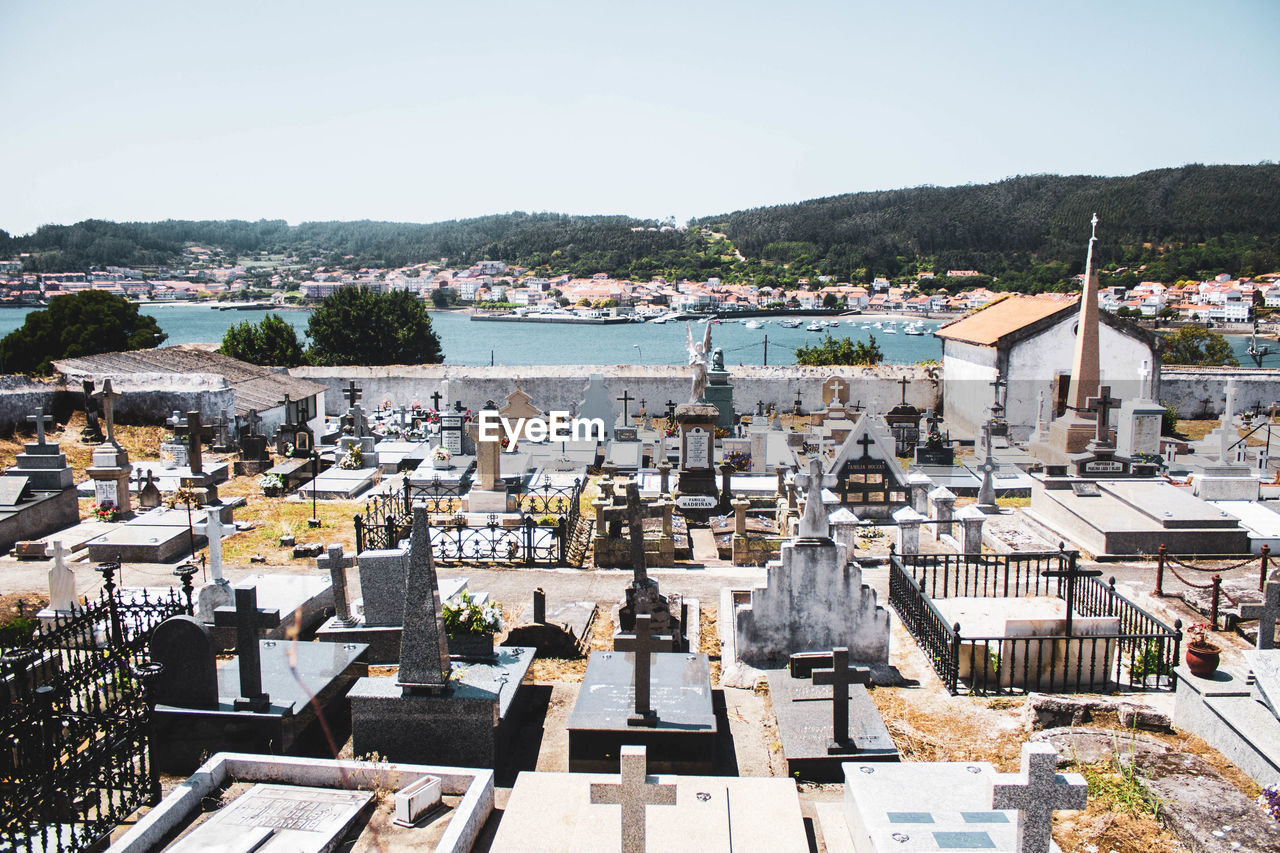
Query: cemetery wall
x=561, y=387
x=148, y=399
x=1202, y=391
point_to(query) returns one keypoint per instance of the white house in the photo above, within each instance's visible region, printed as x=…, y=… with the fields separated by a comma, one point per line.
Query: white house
x=1029, y=342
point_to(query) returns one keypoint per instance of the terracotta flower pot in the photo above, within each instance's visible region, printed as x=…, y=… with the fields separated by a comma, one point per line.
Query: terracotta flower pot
x=1202, y=660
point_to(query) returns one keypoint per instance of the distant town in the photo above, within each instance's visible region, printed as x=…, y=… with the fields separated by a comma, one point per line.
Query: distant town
x=496, y=287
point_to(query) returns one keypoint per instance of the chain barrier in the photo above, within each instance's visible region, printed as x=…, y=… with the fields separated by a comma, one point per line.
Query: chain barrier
x=1172, y=559
x=1189, y=583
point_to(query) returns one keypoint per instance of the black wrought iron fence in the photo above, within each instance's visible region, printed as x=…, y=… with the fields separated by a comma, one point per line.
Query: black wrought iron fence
x=1142, y=651
x=74, y=722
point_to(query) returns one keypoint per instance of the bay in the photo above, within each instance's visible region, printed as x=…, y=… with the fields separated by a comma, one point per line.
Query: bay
x=468, y=342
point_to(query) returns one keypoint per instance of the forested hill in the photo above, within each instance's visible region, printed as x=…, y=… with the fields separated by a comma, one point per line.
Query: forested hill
x=1027, y=232
x=1018, y=224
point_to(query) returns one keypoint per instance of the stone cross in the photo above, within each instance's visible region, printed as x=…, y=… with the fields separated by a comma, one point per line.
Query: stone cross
x=336, y=564
x=671, y=411
x=290, y=410
x=1267, y=613
x=40, y=419
x=352, y=393
x=195, y=459
x=1102, y=404
x=635, y=521
x=633, y=793
x=1226, y=432
x=108, y=396
x=253, y=421
x=213, y=531
x=1036, y=793
x=813, y=522
x=247, y=619
x=1144, y=375
x=626, y=400
x=840, y=676
x=904, y=382
x=987, y=491
x=435, y=400
x=62, y=581
x=644, y=715
x=866, y=442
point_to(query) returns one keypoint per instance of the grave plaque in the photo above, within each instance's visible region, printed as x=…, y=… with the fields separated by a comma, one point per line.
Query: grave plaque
x=306, y=820
x=105, y=491
x=451, y=433
x=12, y=489
x=697, y=449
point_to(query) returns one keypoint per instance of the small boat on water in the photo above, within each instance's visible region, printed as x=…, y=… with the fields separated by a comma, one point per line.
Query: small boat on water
x=913, y=329
x=754, y=324
x=790, y=324
x=890, y=330
x=814, y=327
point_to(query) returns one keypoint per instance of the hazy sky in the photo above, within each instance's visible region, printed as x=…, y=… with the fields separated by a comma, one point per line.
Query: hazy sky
x=421, y=111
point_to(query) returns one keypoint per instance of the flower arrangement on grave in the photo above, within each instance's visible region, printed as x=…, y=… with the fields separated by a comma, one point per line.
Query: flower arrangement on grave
x=1202, y=654
x=290, y=451
x=738, y=460
x=470, y=617
x=670, y=428
x=722, y=432
x=934, y=441
x=106, y=511
x=505, y=443
x=270, y=482
x=353, y=460
x=441, y=454
x=1269, y=799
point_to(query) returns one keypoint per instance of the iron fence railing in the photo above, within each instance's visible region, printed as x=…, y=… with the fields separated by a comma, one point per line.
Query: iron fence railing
x=1141, y=652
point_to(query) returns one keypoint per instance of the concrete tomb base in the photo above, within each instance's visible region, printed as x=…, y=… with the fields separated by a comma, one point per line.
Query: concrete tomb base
x=683, y=740
x=183, y=736
x=553, y=813
x=804, y=727
x=1227, y=713
x=469, y=724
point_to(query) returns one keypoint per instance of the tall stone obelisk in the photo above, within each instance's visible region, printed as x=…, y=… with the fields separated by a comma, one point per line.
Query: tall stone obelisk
x=1071, y=432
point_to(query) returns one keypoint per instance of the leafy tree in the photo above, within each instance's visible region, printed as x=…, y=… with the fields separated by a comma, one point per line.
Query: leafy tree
x=272, y=341
x=360, y=326
x=77, y=324
x=1194, y=345
x=830, y=301
x=842, y=351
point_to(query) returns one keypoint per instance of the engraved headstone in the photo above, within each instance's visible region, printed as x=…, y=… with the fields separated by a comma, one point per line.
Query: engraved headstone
x=185, y=647
x=279, y=817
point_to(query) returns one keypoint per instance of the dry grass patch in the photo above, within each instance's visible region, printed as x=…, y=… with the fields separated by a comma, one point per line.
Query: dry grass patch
x=264, y=520
x=950, y=728
x=544, y=670
x=1195, y=430
x=142, y=443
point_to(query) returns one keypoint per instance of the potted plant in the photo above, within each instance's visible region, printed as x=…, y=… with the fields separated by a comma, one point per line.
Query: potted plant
x=440, y=457
x=471, y=627
x=1202, y=654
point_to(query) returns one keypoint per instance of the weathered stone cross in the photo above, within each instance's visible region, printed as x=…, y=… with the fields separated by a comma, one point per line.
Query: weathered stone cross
x=644, y=715
x=108, y=396
x=336, y=565
x=1267, y=613
x=247, y=619
x=195, y=459
x=1037, y=792
x=633, y=793
x=840, y=676
x=435, y=400
x=252, y=421
x=352, y=393
x=1102, y=404
x=40, y=419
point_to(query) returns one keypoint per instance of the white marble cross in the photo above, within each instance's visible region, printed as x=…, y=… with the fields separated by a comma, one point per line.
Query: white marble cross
x=1037, y=791
x=813, y=523
x=1227, y=432
x=633, y=793
x=1267, y=613
x=213, y=530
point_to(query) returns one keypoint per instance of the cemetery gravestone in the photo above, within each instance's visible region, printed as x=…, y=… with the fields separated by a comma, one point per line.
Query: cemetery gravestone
x=283, y=817
x=634, y=793
x=185, y=647
x=248, y=619
x=1036, y=792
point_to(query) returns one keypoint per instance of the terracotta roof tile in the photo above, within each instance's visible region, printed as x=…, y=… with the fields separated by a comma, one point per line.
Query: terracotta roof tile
x=988, y=325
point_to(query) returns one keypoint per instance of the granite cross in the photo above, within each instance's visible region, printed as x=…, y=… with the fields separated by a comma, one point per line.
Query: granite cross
x=1102, y=404
x=435, y=400
x=635, y=521
x=290, y=410
x=247, y=619
x=840, y=676
x=336, y=565
x=760, y=407
x=352, y=393
x=1036, y=792
x=934, y=419
x=458, y=407
x=904, y=382
x=625, y=399
x=252, y=421
x=40, y=419
x=195, y=460
x=1072, y=572
x=867, y=442
x=108, y=397
x=1267, y=613
x=633, y=793
x=644, y=715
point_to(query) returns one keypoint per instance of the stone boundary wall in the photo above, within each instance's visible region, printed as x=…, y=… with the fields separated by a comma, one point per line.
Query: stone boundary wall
x=148, y=399
x=561, y=387
x=1200, y=392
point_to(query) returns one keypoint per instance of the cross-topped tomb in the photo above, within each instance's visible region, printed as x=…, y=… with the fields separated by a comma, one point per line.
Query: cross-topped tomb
x=1036, y=792
x=247, y=620
x=634, y=792
x=840, y=676
x=644, y=714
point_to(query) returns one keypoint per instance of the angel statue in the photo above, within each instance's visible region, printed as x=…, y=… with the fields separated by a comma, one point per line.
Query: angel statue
x=699, y=355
